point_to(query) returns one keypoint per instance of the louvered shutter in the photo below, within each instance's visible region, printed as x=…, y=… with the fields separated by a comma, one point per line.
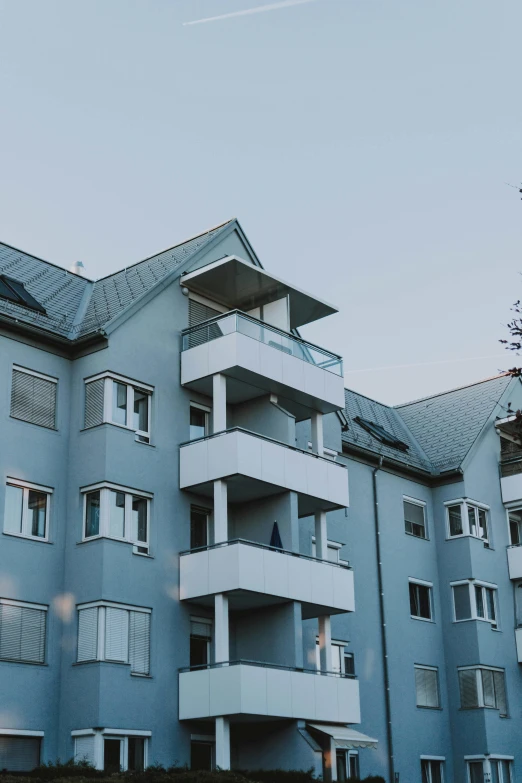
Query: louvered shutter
x=500, y=692
x=427, y=687
x=116, y=634
x=94, y=403
x=33, y=399
x=468, y=688
x=197, y=314
x=84, y=749
x=139, y=642
x=19, y=754
x=201, y=629
x=22, y=634
x=88, y=634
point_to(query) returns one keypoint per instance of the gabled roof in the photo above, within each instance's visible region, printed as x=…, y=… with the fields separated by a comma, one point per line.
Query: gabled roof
x=447, y=425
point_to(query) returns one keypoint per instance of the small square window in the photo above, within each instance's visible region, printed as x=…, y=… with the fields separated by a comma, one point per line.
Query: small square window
x=26, y=511
x=420, y=601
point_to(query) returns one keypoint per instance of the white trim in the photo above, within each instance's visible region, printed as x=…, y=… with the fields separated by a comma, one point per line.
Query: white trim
x=423, y=582
x=113, y=605
x=29, y=485
x=127, y=732
x=458, y=501
x=23, y=604
x=21, y=733
x=200, y=407
x=474, y=758
x=416, y=502
x=82, y=732
x=500, y=757
x=36, y=374
x=118, y=488
x=480, y=666
x=122, y=379
x=433, y=758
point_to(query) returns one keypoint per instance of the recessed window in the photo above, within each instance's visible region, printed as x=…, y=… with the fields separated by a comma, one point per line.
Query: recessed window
x=111, y=632
x=432, y=771
x=199, y=524
x=482, y=686
x=515, y=527
x=33, y=398
x=199, y=421
x=119, y=513
x=415, y=518
x=467, y=519
x=347, y=765
x=474, y=600
x=202, y=754
x=427, y=686
x=420, y=600
x=26, y=511
x=22, y=631
x=116, y=751
x=16, y=292
x=342, y=660
x=200, y=641
x=19, y=753
x=333, y=551
x=121, y=401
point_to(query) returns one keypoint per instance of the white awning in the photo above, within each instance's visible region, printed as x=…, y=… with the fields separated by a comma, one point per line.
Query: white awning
x=345, y=736
x=239, y=285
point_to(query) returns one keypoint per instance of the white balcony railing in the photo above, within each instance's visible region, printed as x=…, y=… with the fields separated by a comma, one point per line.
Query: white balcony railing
x=239, y=688
x=514, y=555
x=320, y=586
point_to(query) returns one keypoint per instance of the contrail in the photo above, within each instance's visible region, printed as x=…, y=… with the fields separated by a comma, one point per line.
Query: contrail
x=425, y=364
x=258, y=9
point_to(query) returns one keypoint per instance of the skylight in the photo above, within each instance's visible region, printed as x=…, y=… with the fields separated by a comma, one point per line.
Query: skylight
x=14, y=291
x=381, y=434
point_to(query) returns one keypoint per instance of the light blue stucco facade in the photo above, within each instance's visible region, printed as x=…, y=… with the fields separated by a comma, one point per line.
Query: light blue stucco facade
x=254, y=711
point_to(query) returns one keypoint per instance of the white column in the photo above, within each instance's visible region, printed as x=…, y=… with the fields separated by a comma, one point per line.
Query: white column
x=219, y=402
x=317, y=433
x=321, y=538
x=220, y=511
x=325, y=643
x=221, y=629
x=222, y=743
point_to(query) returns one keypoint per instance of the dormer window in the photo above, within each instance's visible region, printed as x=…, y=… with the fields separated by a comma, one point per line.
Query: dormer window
x=14, y=291
x=381, y=434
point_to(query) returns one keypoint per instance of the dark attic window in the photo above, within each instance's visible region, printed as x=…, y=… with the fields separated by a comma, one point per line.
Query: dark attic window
x=14, y=291
x=381, y=434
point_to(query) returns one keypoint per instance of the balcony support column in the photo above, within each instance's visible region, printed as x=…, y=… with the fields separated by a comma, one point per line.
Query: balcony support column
x=321, y=538
x=222, y=743
x=325, y=643
x=220, y=511
x=222, y=645
x=317, y=433
x=219, y=403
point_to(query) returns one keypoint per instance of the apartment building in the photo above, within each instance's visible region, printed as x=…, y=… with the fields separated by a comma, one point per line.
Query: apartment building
x=192, y=507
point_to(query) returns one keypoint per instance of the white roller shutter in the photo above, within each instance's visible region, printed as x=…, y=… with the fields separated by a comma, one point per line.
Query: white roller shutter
x=19, y=754
x=84, y=749
x=427, y=687
x=116, y=634
x=33, y=399
x=22, y=633
x=139, y=642
x=468, y=688
x=88, y=634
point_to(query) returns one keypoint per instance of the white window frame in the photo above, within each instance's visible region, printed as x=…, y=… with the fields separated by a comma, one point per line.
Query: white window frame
x=472, y=583
x=132, y=385
x=208, y=413
x=102, y=606
x=509, y=512
x=340, y=645
x=27, y=605
x=486, y=766
x=480, y=690
x=423, y=707
x=118, y=734
x=204, y=621
x=424, y=506
x=335, y=545
x=413, y=581
x=464, y=503
x=26, y=486
x=104, y=487
x=327, y=453
x=438, y=760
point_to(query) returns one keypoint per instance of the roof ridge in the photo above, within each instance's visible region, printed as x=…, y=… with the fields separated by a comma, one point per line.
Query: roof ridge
x=451, y=391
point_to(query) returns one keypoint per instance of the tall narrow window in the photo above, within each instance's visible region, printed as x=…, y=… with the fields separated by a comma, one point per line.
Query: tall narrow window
x=420, y=600
x=515, y=527
x=427, y=686
x=455, y=521
x=26, y=510
x=200, y=640
x=198, y=527
x=119, y=402
x=415, y=518
x=199, y=421
x=92, y=514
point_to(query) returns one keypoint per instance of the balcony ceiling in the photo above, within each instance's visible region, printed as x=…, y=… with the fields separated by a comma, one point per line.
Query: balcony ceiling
x=239, y=285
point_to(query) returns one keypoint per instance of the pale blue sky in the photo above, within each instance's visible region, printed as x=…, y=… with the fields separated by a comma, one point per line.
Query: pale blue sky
x=363, y=145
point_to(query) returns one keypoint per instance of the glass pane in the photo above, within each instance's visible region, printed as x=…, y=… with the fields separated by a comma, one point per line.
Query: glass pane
x=479, y=601
x=337, y=651
x=349, y=663
x=436, y=772
x=116, y=514
x=455, y=521
x=13, y=509
x=119, y=402
x=462, y=602
x=341, y=765
x=483, y=529
x=92, y=520
x=424, y=599
x=198, y=528
x=37, y=505
x=495, y=771
x=198, y=651
x=488, y=688
x=201, y=755
x=111, y=755
x=136, y=761
x=198, y=423
x=514, y=531
x=141, y=411
x=353, y=761
x=139, y=517
x=476, y=772
x=505, y=767
x=472, y=521
x=414, y=600
x=425, y=769
x=490, y=602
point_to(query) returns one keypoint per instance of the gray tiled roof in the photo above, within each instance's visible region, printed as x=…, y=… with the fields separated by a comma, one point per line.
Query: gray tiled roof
x=447, y=425
x=365, y=408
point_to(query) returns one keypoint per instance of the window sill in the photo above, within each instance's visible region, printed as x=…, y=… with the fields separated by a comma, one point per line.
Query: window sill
x=420, y=538
x=115, y=540
x=119, y=426
x=422, y=619
x=25, y=663
x=34, y=539
x=142, y=676
x=33, y=424
x=436, y=709
x=487, y=544
x=144, y=554
x=98, y=661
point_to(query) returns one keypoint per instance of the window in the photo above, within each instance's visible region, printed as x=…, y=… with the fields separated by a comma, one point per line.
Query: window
x=112, y=632
x=202, y=754
x=117, y=400
x=15, y=291
x=198, y=527
x=494, y=769
x=515, y=527
x=333, y=551
x=117, y=751
x=432, y=770
x=33, y=398
x=482, y=686
x=474, y=600
x=20, y=751
x=427, y=686
x=415, y=518
x=349, y=663
x=116, y=512
x=199, y=421
x=342, y=660
x=200, y=640
x=465, y=518
x=26, y=510
x=501, y=770
x=22, y=631
x=347, y=764
x=420, y=600
x=381, y=434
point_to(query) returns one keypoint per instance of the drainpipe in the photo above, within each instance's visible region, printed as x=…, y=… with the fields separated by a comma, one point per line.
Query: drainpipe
x=387, y=706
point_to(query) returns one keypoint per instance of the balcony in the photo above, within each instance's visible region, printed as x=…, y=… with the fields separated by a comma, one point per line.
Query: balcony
x=258, y=358
x=511, y=480
x=248, y=688
x=518, y=640
x=254, y=575
x=256, y=467
x=514, y=555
